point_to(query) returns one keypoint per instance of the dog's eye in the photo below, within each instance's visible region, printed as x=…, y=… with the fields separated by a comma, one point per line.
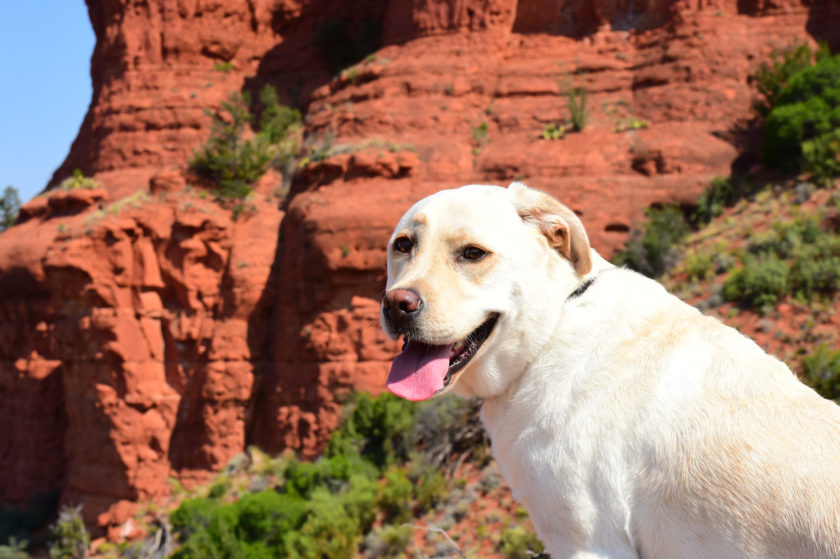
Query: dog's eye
x=473, y=253
x=403, y=244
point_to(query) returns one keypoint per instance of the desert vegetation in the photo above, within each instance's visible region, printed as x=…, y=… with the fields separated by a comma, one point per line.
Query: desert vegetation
x=798, y=257
x=578, y=114
x=381, y=472
x=802, y=106
x=235, y=162
x=79, y=180
x=393, y=481
x=576, y=97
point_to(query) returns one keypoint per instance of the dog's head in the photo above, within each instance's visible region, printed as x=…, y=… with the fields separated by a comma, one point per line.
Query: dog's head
x=476, y=278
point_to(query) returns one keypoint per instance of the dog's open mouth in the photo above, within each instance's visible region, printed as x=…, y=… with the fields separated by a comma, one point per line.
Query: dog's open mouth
x=422, y=370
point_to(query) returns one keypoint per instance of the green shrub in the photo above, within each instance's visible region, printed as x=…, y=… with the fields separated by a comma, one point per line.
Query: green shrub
x=821, y=156
x=815, y=269
x=721, y=193
x=811, y=277
x=652, y=250
x=479, y=133
x=208, y=528
x=234, y=162
x=381, y=430
x=370, y=471
x=798, y=257
x=267, y=515
x=389, y=542
x=302, y=478
x=800, y=132
x=219, y=489
x=395, y=497
x=277, y=121
x=631, y=123
x=520, y=543
x=698, y=265
x=447, y=426
x=772, y=78
x=359, y=498
x=576, y=100
x=321, y=523
x=79, y=180
x=330, y=529
x=68, y=537
x=821, y=371
x=760, y=282
x=224, y=67
x=335, y=520
x=553, y=132
x=430, y=487
x=787, y=239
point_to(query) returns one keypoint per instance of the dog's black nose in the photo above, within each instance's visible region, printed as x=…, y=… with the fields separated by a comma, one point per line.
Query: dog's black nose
x=399, y=306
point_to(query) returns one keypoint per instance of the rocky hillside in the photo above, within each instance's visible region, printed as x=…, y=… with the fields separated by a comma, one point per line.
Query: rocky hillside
x=770, y=268
x=152, y=330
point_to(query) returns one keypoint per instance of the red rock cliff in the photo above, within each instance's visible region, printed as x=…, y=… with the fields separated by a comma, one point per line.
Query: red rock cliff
x=147, y=333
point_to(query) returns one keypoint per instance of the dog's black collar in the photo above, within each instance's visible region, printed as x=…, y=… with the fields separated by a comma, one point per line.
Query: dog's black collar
x=581, y=288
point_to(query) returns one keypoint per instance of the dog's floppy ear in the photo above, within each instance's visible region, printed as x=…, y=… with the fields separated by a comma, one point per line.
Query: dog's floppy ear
x=558, y=223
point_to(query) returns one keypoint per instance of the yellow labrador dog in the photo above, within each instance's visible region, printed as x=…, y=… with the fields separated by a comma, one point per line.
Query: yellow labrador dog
x=626, y=422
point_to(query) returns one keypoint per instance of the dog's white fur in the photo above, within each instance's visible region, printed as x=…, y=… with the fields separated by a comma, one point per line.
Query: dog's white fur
x=626, y=422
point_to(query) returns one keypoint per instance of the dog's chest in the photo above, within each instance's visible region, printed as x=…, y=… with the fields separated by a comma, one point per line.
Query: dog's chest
x=561, y=467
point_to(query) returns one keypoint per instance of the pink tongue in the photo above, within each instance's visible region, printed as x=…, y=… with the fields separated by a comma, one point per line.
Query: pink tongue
x=418, y=372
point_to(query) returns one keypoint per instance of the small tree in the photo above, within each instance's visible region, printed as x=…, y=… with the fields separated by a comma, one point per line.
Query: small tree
x=9, y=207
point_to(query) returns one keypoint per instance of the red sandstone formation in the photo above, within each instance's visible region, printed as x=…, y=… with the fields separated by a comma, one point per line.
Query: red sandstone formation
x=146, y=333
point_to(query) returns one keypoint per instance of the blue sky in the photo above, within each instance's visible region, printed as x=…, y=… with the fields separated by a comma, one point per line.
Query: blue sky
x=45, y=90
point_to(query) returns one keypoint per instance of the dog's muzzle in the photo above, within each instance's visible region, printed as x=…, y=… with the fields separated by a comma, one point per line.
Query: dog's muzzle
x=400, y=308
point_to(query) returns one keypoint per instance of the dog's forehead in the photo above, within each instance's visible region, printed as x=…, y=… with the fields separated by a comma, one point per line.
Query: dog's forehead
x=472, y=206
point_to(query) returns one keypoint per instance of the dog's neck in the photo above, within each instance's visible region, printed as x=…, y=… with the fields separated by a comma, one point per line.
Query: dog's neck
x=600, y=266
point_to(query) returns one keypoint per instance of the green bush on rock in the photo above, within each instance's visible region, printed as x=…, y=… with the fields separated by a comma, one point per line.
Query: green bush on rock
x=235, y=162
x=803, y=113
x=371, y=470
